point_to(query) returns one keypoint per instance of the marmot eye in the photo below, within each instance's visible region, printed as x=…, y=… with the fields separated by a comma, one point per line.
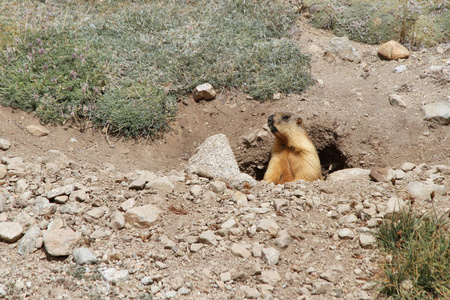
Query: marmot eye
x=285, y=117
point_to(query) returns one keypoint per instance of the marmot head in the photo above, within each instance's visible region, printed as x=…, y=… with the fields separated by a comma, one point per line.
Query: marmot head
x=284, y=123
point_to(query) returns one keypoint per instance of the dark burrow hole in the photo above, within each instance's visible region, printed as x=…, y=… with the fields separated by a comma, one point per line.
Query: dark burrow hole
x=332, y=159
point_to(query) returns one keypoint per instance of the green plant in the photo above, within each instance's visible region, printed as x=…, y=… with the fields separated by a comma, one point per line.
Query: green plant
x=420, y=250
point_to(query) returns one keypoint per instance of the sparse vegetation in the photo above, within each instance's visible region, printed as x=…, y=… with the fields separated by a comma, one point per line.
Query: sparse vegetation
x=419, y=251
x=122, y=64
x=413, y=23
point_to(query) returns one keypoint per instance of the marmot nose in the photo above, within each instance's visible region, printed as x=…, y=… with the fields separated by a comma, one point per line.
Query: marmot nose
x=270, y=120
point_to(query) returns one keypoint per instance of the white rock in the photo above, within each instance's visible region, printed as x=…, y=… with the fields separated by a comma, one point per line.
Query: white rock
x=196, y=190
x=115, y=276
x=161, y=184
x=283, y=240
x=218, y=186
x=56, y=157
x=270, y=277
x=60, y=242
x=204, y=92
x=267, y=225
x=37, y=130
x=4, y=144
x=83, y=256
x=367, y=241
x=208, y=237
x=250, y=293
x=117, y=220
x=270, y=256
x=346, y=233
x=422, y=191
x=59, y=191
x=239, y=198
x=27, y=243
x=342, y=48
x=396, y=100
x=240, y=250
x=230, y=223
x=280, y=203
x=137, y=184
x=394, y=208
x=400, y=69
x=10, y=231
x=349, y=174
x=142, y=216
x=408, y=166
x=437, y=112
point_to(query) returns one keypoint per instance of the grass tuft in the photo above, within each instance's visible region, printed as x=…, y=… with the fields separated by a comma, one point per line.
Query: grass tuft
x=420, y=249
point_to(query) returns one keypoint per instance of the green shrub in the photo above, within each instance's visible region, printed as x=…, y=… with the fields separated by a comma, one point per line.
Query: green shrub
x=420, y=250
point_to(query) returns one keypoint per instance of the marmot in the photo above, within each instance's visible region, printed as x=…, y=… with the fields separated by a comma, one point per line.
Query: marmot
x=294, y=155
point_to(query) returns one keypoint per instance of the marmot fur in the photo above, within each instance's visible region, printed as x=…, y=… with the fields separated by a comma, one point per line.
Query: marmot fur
x=294, y=155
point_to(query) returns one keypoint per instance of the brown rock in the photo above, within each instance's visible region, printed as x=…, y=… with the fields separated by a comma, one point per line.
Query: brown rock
x=37, y=130
x=381, y=174
x=392, y=51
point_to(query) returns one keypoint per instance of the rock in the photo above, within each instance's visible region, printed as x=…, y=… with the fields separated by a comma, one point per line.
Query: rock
x=3, y=292
x=196, y=191
x=422, y=191
x=392, y=50
x=240, y=250
x=59, y=191
x=399, y=174
x=394, y=208
x=204, y=92
x=218, y=186
x=56, y=157
x=367, y=241
x=27, y=243
x=239, y=198
x=114, y=276
x=408, y=166
x=437, y=112
x=270, y=256
x=322, y=287
x=208, y=237
x=280, y=203
x=229, y=224
x=128, y=204
x=83, y=256
x=342, y=48
x=177, y=283
x=349, y=174
x=257, y=249
x=117, y=220
x=20, y=186
x=4, y=144
x=346, y=234
x=250, y=293
x=142, y=216
x=252, y=268
x=216, y=154
x=10, y=231
x=267, y=225
x=203, y=171
x=330, y=276
x=270, y=277
x=37, y=130
x=283, y=240
x=137, y=184
x=60, y=242
x=3, y=172
x=239, y=181
x=161, y=184
x=80, y=196
x=15, y=163
x=97, y=212
x=400, y=69
x=381, y=174
x=396, y=100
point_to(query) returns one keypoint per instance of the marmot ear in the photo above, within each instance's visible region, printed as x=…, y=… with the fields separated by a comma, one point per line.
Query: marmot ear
x=299, y=121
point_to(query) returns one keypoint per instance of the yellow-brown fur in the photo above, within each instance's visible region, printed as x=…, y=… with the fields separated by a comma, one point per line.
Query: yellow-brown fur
x=294, y=155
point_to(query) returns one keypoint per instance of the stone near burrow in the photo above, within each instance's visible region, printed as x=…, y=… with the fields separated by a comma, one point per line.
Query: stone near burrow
x=267, y=225
x=203, y=171
x=283, y=240
x=27, y=243
x=10, y=231
x=196, y=190
x=195, y=247
x=37, y=130
x=61, y=242
x=422, y=191
x=56, y=223
x=394, y=208
x=392, y=50
x=161, y=184
x=216, y=154
x=349, y=174
x=250, y=293
x=204, y=92
x=438, y=112
x=218, y=186
x=378, y=174
x=407, y=166
x=346, y=234
x=399, y=174
x=115, y=276
x=128, y=204
x=83, y=256
x=59, y=191
x=117, y=220
x=56, y=157
x=340, y=47
x=142, y=216
x=97, y=212
x=271, y=277
x=241, y=180
x=3, y=172
x=4, y=144
x=367, y=241
x=397, y=100
x=208, y=237
x=271, y=256
x=137, y=184
x=14, y=163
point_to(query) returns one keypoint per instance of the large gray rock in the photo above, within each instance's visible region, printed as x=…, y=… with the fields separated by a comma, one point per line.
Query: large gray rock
x=216, y=154
x=142, y=216
x=27, y=244
x=342, y=48
x=61, y=242
x=422, y=191
x=349, y=174
x=83, y=256
x=437, y=112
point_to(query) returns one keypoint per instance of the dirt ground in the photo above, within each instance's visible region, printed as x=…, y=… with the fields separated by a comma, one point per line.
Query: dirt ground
x=351, y=121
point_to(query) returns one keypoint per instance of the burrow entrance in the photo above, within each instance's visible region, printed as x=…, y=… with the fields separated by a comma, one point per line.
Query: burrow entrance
x=254, y=157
